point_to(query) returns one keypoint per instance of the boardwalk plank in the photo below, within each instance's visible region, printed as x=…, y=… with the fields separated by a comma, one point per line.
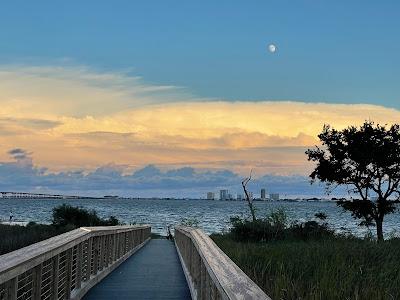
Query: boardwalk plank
x=154, y=272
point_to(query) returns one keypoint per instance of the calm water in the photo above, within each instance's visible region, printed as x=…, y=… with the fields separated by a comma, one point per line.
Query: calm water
x=213, y=216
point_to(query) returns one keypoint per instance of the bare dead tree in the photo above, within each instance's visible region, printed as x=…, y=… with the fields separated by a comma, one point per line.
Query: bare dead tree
x=249, y=201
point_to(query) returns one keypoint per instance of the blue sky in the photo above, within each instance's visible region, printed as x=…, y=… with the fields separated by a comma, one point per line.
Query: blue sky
x=329, y=51
x=101, y=89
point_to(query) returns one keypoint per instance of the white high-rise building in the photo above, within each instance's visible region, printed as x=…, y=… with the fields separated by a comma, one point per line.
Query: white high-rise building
x=223, y=195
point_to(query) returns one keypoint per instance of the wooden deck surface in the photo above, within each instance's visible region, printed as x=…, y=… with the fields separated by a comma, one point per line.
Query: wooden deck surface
x=154, y=272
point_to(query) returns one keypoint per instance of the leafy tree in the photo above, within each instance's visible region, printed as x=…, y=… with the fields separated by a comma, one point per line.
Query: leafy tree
x=366, y=159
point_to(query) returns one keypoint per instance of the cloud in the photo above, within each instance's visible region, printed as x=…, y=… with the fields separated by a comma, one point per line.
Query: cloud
x=146, y=182
x=74, y=117
x=72, y=90
x=19, y=154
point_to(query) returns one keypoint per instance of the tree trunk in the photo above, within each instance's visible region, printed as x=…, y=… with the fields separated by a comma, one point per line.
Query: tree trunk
x=379, y=229
x=250, y=203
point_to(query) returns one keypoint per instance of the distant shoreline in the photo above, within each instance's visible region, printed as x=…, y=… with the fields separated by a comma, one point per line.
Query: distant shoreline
x=177, y=199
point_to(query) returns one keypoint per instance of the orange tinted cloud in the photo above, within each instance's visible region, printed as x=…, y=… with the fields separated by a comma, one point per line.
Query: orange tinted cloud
x=72, y=117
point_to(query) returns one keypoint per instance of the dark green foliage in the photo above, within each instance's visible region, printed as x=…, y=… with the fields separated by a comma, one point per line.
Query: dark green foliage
x=323, y=269
x=322, y=216
x=251, y=231
x=66, y=214
x=310, y=230
x=367, y=161
x=14, y=237
x=275, y=227
x=309, y=261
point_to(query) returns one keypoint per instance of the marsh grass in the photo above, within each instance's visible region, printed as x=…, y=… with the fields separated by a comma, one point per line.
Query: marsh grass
x=330, y=268
x=13, y=237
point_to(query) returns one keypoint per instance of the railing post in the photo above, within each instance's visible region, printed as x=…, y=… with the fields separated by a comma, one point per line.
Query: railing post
x=123, y=243
x=115, y=247
x=101, y=255
x=37, y=281
x=131, y=243
x=96, y=255
x=119, y=241
x=89, y=259
x=106, y=251
x=79, y=255
x=12, y=289
x=69, y=273
x=56, y=261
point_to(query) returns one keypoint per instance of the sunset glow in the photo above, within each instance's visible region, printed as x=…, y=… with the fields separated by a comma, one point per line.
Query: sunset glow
x=76, y=118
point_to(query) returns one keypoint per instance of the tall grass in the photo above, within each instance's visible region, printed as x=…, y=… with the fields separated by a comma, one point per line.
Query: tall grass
x=13, y=237
x=331, y=268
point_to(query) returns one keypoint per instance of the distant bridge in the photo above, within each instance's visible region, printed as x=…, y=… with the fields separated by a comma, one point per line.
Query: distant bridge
x=21, y=195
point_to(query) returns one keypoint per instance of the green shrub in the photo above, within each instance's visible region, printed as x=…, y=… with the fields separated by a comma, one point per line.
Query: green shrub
x=67, y=215
x=310, y=230
x=275, y=226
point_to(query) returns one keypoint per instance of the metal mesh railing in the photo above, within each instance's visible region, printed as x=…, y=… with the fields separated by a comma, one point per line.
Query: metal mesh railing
x=65, y=266
x=47, y=279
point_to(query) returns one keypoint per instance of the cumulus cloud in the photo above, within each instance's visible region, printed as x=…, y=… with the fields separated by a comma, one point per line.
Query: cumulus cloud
x=73, y=117
x=145, y=182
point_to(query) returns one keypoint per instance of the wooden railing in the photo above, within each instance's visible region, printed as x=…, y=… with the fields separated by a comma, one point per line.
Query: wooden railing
x=68, y=265
x=210, y=273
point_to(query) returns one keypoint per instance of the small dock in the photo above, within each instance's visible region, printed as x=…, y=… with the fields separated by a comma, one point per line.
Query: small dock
x=154, y=272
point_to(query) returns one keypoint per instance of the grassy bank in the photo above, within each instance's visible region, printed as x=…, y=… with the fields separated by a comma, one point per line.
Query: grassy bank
x=13, y=237
x=330, y=268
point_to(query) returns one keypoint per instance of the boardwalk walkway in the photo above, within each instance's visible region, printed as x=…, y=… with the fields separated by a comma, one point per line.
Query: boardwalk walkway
x=154, y=272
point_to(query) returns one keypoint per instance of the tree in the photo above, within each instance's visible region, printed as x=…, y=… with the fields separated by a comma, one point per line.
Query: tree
x=248, y=199
x=366, y=159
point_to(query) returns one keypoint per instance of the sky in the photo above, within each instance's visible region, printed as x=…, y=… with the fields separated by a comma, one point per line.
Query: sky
x=186, y=90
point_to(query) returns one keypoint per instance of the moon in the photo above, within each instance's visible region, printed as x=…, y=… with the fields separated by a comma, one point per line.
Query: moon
x=271, y=48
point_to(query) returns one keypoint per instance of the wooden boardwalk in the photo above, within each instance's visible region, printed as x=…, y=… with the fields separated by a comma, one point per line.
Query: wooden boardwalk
x=154, y=272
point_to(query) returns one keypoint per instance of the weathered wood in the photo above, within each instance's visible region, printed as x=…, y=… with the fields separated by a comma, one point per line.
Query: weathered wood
x=89, y=259
x=114, y=248
x=95, y=246
x=68, y=266
x=71, y=275
x=79, y=257
x=101, y=252
x=37, y=280
x=12, y=289
x=54, y=292
x=202, y=258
